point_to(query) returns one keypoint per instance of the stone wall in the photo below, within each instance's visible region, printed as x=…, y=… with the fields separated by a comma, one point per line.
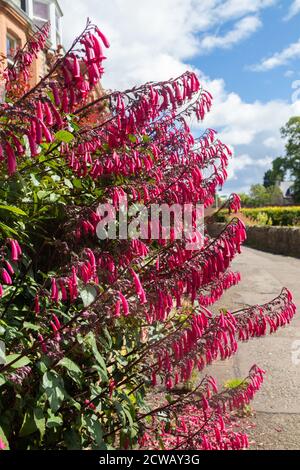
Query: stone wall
x=278, y=240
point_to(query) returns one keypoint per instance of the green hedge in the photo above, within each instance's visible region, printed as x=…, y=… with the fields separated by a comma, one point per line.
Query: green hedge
x=280, y=216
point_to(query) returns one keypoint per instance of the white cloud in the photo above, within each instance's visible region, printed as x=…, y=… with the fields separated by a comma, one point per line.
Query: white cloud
x=279, y=58
x=240, y=162
x=157, y=40
x=293, y=10
x=241, y=30
x=241, y=123
x=273, y=143
x=289, y=73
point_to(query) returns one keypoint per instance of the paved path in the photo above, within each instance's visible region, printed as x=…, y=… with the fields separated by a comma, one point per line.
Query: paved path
x=277, y=405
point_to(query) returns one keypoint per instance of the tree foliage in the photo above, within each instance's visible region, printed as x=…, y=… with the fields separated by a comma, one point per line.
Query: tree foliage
x=260, y=196
x=289, y=165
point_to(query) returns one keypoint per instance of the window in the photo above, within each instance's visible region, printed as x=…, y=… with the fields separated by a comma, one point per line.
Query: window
x=20, y=4
x=12, y=45
x=41, y=10
x=40, y=13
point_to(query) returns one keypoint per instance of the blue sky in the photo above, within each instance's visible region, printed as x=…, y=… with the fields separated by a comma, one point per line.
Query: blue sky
x=233, y=64
x=247, y=53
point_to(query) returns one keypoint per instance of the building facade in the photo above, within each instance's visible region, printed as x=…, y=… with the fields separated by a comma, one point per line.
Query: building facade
x=18, y=19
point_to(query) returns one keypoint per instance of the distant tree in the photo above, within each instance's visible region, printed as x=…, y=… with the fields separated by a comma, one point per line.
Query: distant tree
x=291, y=162
x=275, y=195
x=245, y=200
x=261, y=196
x=276, y=174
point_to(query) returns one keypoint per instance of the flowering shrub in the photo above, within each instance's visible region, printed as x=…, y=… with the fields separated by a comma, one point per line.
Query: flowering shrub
x=94, y=328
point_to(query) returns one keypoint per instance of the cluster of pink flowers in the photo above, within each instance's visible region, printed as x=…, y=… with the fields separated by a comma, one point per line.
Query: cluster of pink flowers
x=9, y=253
x=25, y=57
x=260, y=320
x=202, y=420
x=217, y=288
x=80, y=74
x=234, y=203
x=77, y=74
x=208, y=338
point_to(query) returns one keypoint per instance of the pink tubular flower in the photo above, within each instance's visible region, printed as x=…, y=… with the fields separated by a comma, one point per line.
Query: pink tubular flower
x=55, y=94
x=54, y=290
x=103, y=38
x=64, y=294
x=46, y=132
x=42, y=343
x=117, y=308
x=9, y=267
x=1, y=291
x=55, y=330
x=6, y=277
x=138, y=287
x=112, y=386
x=57, y=322
x=37, y=305
x=154, y=379
x=124, y=304
x=11, y=159
x=15, y=250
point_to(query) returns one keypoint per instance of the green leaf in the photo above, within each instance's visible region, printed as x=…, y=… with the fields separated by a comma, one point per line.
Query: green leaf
x=106, y=340
x=28, y=426
x=72, y=440
x=77, y=183
x=54, y=421
x=30, y=326
x=34, y=180
x=121, y=413
x=68, y=183
x=23, y=361
x=64, y=136
x=13, y=209
x=132, y=138
x=2, y=380
x=129, y=416
x=72, y=368
x=91, y=340
x=40, y=421
x=4, y=438
x=33, y=421
x=2, y=353
x=88, y=295
x=53, y=386
x=43, y=365
x=235, y=383
x=95, y=430
x=8, y=230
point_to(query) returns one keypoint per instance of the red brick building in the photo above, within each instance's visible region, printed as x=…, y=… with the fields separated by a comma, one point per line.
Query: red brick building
x=17, y=20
